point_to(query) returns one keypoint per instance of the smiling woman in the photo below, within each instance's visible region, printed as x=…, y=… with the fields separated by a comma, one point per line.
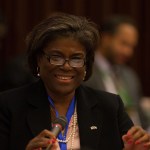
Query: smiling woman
x=66, y=74
x=61, y=53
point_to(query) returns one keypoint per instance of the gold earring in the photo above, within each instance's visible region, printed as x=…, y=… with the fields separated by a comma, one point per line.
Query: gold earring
x=38, y=71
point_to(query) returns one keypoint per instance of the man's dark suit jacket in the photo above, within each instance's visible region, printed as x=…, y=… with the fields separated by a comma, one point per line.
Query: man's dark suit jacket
x=25, y=112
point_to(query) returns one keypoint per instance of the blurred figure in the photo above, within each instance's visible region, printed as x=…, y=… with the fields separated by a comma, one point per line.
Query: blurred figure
x=3, y=33
x=3, y=29
x=145, y=105
x=14, y=73
x=110, y=72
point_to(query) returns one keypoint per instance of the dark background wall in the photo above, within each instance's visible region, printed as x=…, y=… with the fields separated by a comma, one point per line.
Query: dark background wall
x=22, y=15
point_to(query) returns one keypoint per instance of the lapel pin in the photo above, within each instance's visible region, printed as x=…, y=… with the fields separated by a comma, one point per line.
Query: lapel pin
x=93, y=127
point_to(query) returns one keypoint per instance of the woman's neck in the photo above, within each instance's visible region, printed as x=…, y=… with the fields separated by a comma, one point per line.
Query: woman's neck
x=61, y=102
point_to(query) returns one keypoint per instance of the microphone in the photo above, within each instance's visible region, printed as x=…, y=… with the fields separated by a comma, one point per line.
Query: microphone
x=58, y=126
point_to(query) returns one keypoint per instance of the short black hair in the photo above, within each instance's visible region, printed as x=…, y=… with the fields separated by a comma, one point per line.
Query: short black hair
x=111, y=24
x=63, y=25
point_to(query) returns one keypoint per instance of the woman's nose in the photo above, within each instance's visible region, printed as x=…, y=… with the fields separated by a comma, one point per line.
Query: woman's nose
x=66, y=65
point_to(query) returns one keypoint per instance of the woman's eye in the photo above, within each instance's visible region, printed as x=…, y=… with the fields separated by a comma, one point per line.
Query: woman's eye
x=77, y=58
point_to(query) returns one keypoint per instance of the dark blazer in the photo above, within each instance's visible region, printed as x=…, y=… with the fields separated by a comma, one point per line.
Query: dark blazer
x=25, y=112
x=131, y=82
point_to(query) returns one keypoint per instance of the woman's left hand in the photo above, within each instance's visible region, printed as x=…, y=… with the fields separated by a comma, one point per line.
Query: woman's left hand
x=136, y=139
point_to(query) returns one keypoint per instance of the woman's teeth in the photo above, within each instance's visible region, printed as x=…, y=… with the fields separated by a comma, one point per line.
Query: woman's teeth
x=64, y=78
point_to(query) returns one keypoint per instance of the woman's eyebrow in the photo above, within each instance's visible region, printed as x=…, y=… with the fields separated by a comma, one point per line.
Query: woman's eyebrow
x=54, y=51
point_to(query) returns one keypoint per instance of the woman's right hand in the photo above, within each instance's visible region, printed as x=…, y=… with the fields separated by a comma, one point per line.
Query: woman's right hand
x=43, y=140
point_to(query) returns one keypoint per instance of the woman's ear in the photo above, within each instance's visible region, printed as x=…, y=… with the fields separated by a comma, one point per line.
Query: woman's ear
x=84, y=73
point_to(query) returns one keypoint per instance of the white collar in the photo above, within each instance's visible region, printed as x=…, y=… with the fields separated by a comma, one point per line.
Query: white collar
x=102, y=62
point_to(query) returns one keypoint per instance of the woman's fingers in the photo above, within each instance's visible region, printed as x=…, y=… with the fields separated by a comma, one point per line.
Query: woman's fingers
x=147, y=145
x=42, y=140
x=145, y=138
x=134, y=129
x=136, y=133
x=137, y=136
x=46, y=133
x=38, y=143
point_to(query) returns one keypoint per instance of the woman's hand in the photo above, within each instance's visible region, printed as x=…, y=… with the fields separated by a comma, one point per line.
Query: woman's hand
x=136, y=139
x=43, y=140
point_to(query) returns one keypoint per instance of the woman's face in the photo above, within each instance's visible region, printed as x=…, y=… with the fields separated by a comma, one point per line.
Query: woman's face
x=62, y=79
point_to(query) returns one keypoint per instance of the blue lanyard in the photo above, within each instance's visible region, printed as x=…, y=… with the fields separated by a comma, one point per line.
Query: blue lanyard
x=69, y=114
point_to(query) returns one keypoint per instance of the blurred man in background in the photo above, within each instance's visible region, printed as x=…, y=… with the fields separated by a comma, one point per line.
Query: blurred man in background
x=3, y=29
x=15, y=72
x=3, y=33
x=110, y=72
